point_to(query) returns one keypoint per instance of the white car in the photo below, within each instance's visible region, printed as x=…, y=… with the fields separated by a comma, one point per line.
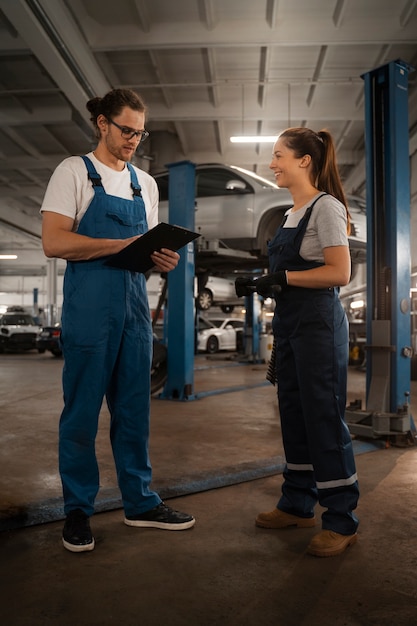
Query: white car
x=216, y=334
x=18, y=331
x=218, y=291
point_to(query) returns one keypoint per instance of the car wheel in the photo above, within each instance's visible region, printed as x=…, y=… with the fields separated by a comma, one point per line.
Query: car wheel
x=204, y=299
x=268, y=228
x=227, y=308
x=56, y=352
x=212, y=345
x=41, y=350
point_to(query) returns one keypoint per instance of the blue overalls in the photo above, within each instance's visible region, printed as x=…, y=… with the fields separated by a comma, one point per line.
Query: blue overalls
x=311, y=334
x=107, y=346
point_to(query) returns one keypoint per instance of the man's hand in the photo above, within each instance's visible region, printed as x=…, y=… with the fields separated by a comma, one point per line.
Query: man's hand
x=165, y=260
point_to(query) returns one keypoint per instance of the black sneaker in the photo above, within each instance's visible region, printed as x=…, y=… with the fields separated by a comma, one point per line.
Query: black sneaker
x=162, y=516
x=77, y=536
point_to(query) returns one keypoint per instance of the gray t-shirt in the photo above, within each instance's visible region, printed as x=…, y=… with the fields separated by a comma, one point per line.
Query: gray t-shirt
x=327, y=227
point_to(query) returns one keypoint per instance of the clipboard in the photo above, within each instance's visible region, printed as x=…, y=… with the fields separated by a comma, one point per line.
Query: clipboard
x=136, y=257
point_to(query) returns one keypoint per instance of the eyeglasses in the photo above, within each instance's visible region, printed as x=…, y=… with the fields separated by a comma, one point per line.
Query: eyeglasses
x=129, y=133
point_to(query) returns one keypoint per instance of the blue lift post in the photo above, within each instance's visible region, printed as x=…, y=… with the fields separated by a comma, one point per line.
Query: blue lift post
x=180, y=310
x=388, y=361
x=252, y=329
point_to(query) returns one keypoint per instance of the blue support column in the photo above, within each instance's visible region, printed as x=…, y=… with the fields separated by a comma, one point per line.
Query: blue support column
x=252, y=329
x=180, y=308
x=388, y=236
x=36, y=304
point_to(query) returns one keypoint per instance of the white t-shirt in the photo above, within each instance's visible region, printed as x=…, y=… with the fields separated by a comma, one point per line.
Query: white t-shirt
x=327, y=227
x=70, y=191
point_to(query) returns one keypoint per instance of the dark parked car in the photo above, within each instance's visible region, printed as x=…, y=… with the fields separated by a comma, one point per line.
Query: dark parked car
x=18, y=331
x=49, y=339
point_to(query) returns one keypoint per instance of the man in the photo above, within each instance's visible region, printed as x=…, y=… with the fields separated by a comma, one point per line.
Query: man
x=94, y=207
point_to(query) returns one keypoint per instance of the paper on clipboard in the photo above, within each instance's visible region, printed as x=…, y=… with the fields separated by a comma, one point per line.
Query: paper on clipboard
x=136, y=257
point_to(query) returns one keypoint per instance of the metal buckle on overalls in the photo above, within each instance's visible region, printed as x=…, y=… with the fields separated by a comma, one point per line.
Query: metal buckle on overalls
x=137, y=191
x=96, y=180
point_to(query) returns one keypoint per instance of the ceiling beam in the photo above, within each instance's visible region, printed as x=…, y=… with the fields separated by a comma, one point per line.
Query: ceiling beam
x=272, y=12
x=264, y=65
x=51, y=33
x=41, y=115
x=14, y=218
x=375, y=30
x=407, y=12
x=316, y=74
x=339, y=13
x=159, y=73
x=142, y=14
x=208, y=14
x=209, y=64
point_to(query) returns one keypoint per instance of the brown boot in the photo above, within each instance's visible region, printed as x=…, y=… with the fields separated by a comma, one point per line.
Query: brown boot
x=280, y=519
x=329, y=543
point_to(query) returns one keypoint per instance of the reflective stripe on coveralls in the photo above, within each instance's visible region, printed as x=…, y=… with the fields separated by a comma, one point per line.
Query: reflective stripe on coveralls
x=311, y=334
x=107, y=346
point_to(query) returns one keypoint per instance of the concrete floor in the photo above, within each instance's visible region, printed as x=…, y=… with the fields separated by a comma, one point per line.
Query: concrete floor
x=224, y=451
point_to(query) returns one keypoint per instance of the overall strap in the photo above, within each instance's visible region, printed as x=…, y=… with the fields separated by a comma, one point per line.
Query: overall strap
x=93, y=175
x=302, y=227
x=137, y=189
x=316, y=200
x=307, y=214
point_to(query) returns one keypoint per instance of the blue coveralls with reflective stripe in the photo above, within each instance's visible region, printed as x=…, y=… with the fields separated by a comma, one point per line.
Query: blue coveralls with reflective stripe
x=311, y=333
x=107, y=346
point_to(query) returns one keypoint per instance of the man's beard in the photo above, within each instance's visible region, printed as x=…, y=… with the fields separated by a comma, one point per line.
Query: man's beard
x=117, y=152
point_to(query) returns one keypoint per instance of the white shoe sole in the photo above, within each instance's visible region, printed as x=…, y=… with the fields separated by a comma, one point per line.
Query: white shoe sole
x=74, y=548
x=161, y=525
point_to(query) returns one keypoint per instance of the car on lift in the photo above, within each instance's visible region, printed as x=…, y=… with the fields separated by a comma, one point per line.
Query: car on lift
x=216, y=334
x=243, y=210
x=217, y=291
x=18, y=331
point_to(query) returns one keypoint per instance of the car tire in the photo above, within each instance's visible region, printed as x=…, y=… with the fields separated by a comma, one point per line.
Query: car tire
x=56, y=352
x=204, y=299
x=227, y=308
x=267, y=229
x=41, y=350
x=212, y=345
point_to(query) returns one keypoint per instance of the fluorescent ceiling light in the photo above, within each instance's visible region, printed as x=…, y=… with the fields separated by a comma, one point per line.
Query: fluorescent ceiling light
x=7, y=257
x=254, y=139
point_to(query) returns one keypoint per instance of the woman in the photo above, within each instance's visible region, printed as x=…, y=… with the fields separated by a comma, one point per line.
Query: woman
x=309, y=261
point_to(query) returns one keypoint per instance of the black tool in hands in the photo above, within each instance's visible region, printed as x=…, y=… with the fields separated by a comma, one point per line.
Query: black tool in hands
x=244, y=286
x=266, y=286
x=269, y=285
